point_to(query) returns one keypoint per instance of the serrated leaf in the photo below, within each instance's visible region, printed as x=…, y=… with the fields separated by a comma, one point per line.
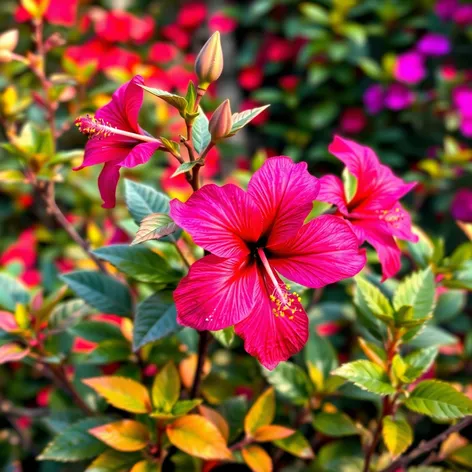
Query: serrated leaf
x=297, y=445
x=155, y=318
x=121, y=392
x=139, y=262
x=124, y=435
x=241, y=119
x=166, y=388
x=418, y=362
x=200, y=133
x=375, y=299
x=439, y=400
x=397, y=435
x=143, y=200
x=334, y=424
x=75, y=443
x=272, y=432
x=261, y=413
x=101, y=291
x=153, y=227
x=185, y=167
x=366, y=375
x=198, y=437
x=172, y=99
x=416, y=290
x=113, y=461
x=257, y=458
x=12, y=292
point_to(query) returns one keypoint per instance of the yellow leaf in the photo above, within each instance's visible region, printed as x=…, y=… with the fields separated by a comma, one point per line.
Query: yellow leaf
x=216, y=419
x=145, y=466
x=272, y=432
x=122, y=393
x=451, y=444
x=261, y=413
x=316, y=376
x=11, y=176
x=257, y=459
x=125, y=435
x=198, y=437
x=397, y=435
x=188, y=367
x=166, y=388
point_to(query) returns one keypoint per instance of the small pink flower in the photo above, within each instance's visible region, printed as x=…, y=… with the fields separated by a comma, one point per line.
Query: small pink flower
x=398, y=97
x=374, y=211
x=253, y=237
x=251, y=77
x=410, y=68
x=222, y=23
x=192, y=15
x=461, y=208
x=279, y=50
x=116, y=139
x=162, y=52
x=353, y=120
x=374, y=98
x=432, y=44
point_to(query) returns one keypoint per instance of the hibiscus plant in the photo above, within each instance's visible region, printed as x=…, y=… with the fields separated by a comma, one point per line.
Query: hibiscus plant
x=204, y=333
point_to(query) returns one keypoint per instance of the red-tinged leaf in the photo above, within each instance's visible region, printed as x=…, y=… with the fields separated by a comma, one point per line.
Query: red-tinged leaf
x=8, y=322
x=12, y=352
x=272, y=432
x=122, y=393
x=261, y=413
x=198, y=437
x=153, y=227
x=257, y=459
x=217, y=419
x=125, y=435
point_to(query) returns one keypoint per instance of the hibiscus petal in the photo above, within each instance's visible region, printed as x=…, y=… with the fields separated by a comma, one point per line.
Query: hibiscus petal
x=107, y=183
x=284, y=192
x=140, y=154
x=270, y=335
x=216, y=293
x=324, y=251
x=99, y=151
x=332, y=191
x=220, y=219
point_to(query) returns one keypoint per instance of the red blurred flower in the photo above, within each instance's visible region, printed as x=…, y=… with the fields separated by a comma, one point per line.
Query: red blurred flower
x=176, y=35
x=289, y=82
x=162, y=52
x=59, y=12
x=221, y=22
x=279, y=50
x=353, y=120
x=192, y=15
x=251, y=77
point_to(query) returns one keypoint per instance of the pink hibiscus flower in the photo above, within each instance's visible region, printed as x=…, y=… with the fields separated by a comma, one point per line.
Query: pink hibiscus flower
x=253, y=237
x=117, y=140
x=374, y=211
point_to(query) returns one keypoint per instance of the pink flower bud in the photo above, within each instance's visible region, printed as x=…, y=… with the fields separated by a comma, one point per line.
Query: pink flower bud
x=221, y=122
x=9, y=40
x=209, y=62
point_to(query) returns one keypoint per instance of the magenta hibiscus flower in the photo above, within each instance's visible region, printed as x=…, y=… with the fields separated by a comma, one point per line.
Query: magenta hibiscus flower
x=253, y=237
x=374, y=211
x=116, y=139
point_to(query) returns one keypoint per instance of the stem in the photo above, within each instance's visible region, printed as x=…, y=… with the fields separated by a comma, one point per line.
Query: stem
x=203, y=344
x=427, y=446
x=240, y=444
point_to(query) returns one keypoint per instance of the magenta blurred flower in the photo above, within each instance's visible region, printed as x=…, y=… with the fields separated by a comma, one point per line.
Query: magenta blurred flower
x=116, y=139
x=433, y=44
x=374, y=211
x=59, y=12
x=445, y=9
x=192, y=15
x=253, y=237
x=398, y=97
x=463, y=15
x=250, y=77
x=374, y=99
x=461, y=208
x=162, y=52
x=221, y=22
x=353, y=120
x=462, y=97
x=176, y=35
x=466, y=127
x=409, y=68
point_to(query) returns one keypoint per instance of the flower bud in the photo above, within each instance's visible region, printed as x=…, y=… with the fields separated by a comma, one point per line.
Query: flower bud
x=5, y=56
x=8, y=40
x=209, y=62
x=221, y=122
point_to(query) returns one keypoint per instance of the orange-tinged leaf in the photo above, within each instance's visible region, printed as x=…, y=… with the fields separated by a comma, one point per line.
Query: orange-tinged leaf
x=121, y=392
x=198, y=437
x=166, y=388
x=188, y=367
x=12, y=352
x=261, y=413
x=145, y=466
x=217, y=419
x=257, y=458
x=124, y=435
x=272, y=432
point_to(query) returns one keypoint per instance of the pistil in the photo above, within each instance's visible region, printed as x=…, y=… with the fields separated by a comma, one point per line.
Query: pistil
x=271, y=275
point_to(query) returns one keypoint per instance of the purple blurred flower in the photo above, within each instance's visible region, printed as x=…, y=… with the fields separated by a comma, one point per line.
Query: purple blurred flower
x=466, y=127
x=374, y=98
x=445, y=9
x=398, y=97
x=433, y=44
x=410, y=68
x=462, y=97
x=462, y=205
x=463, y=15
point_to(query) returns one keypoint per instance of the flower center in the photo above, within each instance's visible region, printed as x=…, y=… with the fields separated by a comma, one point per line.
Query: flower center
x=393, y=218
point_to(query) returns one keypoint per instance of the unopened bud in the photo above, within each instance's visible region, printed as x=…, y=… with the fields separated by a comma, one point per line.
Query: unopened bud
x=5, y=56
x=209, y=62
x=221, y=122
x=9, y=40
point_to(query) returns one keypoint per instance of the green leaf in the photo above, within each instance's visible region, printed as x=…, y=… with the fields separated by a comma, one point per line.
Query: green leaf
x=315, y=13
x=101, y=291
x=240, y=120
x=12, y=292
x=224, y=336
x=155, y=319
x=143, y=200
x=166, y=388
x=200, y=133
x=432, y=336
x=366, y=375
x=290, y=381
x=297, y=445
x=172, y=99
x=67, y=314
x=376, y=301
x=416, y=290
x=350, y=184
x=397, y=435
x=114, y=461
x=439, y=400
x=75, y=443
x=181, y=408
x=97, y=331
x=155, y=226
x=450, y=304
x=320, y=353
x=139, y=262
x=334, y=424
x=191, y=97
x=185, y=167
x=418, y=362
x=366, y=317
x=109, y=351
x=172, y=146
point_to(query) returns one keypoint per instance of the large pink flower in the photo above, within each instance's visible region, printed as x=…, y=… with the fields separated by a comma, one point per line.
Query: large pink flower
x=116, y=139
x=374, y=211
x=253, y=237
